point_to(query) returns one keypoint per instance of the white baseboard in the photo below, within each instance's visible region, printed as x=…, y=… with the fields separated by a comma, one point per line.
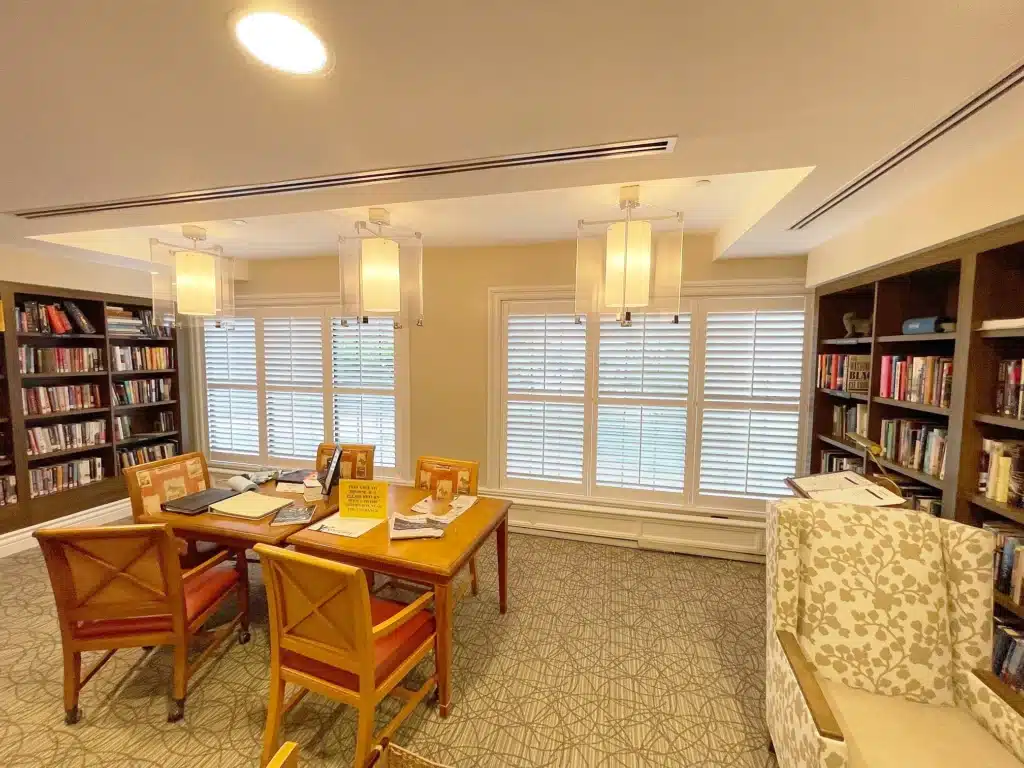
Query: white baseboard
x=21, y=539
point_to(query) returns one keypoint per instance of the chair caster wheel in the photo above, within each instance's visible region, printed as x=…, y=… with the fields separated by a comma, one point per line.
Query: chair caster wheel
x=243, y=636
x=176, y=711
x=72, y=716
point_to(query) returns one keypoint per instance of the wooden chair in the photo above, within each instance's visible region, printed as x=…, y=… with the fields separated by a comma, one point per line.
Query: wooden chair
x=123, y=587
x=466, y=474
x=356, y=460
x=327, y=634
x=287, y=756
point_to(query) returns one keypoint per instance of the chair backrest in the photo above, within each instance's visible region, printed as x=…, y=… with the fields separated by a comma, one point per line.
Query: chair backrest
x=356, y=460
x=150, y=485
x=113, y=572
x=892, y=601
x=431, y=469
x=320, y=609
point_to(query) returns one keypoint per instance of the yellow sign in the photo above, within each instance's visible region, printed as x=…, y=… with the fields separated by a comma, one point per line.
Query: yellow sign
x=363, y=498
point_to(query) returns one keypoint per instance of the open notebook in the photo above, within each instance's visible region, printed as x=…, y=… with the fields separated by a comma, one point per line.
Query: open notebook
x=249, y=505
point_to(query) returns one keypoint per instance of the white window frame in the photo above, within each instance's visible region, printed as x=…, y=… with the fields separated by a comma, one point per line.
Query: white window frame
x=700, y=298
x=311, y=305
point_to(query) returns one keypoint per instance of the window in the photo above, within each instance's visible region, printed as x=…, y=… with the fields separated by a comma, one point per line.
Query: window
x=281, y=381
x=704, y=411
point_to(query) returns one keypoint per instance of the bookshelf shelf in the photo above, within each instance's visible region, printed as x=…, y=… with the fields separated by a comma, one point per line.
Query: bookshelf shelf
x=844, y=395
x=143, y=437
x=1003, y=600
x=999, y=421
x=81, y=494
x=839, y=442
x=1002, y=333
x=910, y=337
x=65, y=375
x=857, y=341
x=67, y=452
x=120, y=337
x=6, y=463
x=933, y=409
x=64, y=414
x=137, y=406
x=913, y=474
x=1003, y=510
x=39, y=335
x=151, y=372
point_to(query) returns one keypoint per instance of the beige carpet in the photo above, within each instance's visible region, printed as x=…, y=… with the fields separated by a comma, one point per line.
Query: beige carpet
x=608, y=657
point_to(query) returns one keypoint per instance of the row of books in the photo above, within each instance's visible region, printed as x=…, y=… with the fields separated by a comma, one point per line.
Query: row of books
x=847, y=373
x=61, y=437
x=36, y=401
x=1007, y=653
x=124, y=322
x=130, y=457
x=35, y=317
x=8, y=490
x=849, y=418
x=1001, y=472
x=59, y=359
x=1009, y=560
x=921, y=497
x=927, y=380
x=141, y=358
x=1009, y=396
x=62, y=477
x=162, y=422
x=915, y=444
x=840, y=461
x=142, y=391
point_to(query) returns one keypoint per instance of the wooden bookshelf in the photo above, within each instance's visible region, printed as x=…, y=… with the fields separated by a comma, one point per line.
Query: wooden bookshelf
x=843, y=394
x=839, y=442
x=908, y=405
x=912, y=338
x=14, y=423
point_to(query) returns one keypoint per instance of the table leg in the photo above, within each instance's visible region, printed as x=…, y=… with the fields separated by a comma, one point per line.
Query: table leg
x=443, y=645
x=502, y=539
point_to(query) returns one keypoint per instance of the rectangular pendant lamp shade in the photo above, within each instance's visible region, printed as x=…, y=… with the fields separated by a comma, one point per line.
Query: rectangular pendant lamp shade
x=628, y=260
x=379, y=276
x=196, y=283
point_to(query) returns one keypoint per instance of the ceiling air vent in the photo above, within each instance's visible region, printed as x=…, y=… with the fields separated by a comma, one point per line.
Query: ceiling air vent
x=998, y=89
x=550, y=157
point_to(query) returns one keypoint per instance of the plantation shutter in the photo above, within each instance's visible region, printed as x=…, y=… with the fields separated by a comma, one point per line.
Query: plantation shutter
x=363, y=381
x=293, y=370
x=232, y=411
x=544, y=410
x=750, y=406
x=643, y=384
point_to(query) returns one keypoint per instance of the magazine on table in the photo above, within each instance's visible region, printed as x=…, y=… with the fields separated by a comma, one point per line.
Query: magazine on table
x=416, y=527
x=444, y=511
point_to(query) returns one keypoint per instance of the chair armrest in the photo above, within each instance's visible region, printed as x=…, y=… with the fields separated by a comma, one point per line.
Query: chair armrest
x=824, y=719
x=286, y=757
x=206, y=565
x=1013, y=699
x=390, y=625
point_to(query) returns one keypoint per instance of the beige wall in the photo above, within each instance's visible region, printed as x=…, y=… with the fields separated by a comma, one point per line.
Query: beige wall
x=449, y=356
x=20, y=265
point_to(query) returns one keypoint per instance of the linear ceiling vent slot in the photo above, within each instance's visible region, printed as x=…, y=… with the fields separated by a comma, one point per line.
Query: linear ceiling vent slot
x=998, y=89
x=552, y=157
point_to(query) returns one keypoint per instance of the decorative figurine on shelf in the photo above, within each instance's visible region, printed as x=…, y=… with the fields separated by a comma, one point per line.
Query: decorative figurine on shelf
x=856, y=326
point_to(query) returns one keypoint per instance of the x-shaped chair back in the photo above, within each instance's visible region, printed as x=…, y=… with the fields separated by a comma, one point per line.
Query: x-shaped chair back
x=360, y=457
x=113, y=572
x=319, y=609
x=467, y=473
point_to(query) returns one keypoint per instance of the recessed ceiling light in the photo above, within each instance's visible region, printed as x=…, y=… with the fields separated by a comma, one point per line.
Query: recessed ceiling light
x=703, y=182
x=281, y=42
x=239, y=222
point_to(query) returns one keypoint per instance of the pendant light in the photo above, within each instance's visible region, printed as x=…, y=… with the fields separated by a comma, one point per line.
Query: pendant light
x=192, y=283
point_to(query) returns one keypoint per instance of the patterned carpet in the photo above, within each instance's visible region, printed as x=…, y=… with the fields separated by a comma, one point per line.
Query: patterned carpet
x=608, y=658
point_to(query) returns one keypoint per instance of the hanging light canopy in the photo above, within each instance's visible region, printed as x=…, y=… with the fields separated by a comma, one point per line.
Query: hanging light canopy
x=618, y=268
x=381, y=270
x=194, y=282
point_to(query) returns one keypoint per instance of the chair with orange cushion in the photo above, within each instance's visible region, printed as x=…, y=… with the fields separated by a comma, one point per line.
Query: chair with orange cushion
x=461, y=475
x=329, y=635
x=123, y=587
x=356, y=460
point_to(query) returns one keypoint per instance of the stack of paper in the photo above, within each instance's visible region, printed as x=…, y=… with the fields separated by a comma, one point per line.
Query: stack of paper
x=352, y=527
x=846, y=488
x=249, y=505
x=312, y=490
x=444, y=512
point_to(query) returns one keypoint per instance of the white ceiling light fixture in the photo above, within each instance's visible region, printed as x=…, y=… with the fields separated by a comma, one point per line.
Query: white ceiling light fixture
x=381, y=271
x=191, y=283
x=281, y=42
x=619, y=266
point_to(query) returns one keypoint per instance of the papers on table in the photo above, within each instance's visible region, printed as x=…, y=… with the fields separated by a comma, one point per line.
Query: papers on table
x=352, y=527
x=311, y=489
x=416, y=527
x=441, y=511
x=290, y=488
x=846, y=488
x=249, y=505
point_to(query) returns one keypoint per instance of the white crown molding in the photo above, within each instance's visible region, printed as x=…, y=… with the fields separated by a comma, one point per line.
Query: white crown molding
x=21, y=539
x=287, y=299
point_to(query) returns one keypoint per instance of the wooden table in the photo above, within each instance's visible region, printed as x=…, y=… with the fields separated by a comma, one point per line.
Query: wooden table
x=426, y=561
x=235, y=532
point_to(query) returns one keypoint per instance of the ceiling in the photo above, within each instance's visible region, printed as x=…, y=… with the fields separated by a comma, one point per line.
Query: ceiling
x=108, y=100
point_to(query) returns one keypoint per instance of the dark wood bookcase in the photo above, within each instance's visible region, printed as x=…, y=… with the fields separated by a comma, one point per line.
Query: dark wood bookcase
x=976, y=279
x=14, y=421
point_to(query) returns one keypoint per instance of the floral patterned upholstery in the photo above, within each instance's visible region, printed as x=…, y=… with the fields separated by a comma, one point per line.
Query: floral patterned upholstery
x=893, y=602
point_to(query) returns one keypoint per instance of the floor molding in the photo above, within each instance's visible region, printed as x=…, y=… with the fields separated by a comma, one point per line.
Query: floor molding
x=21, y=539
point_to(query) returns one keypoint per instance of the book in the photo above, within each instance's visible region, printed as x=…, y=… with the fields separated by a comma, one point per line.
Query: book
x=1001, y=324
x=845, y=373
x=249, y=505
x=296, y=513
x=312, y=490
x=845, y=488
x=81, y=321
